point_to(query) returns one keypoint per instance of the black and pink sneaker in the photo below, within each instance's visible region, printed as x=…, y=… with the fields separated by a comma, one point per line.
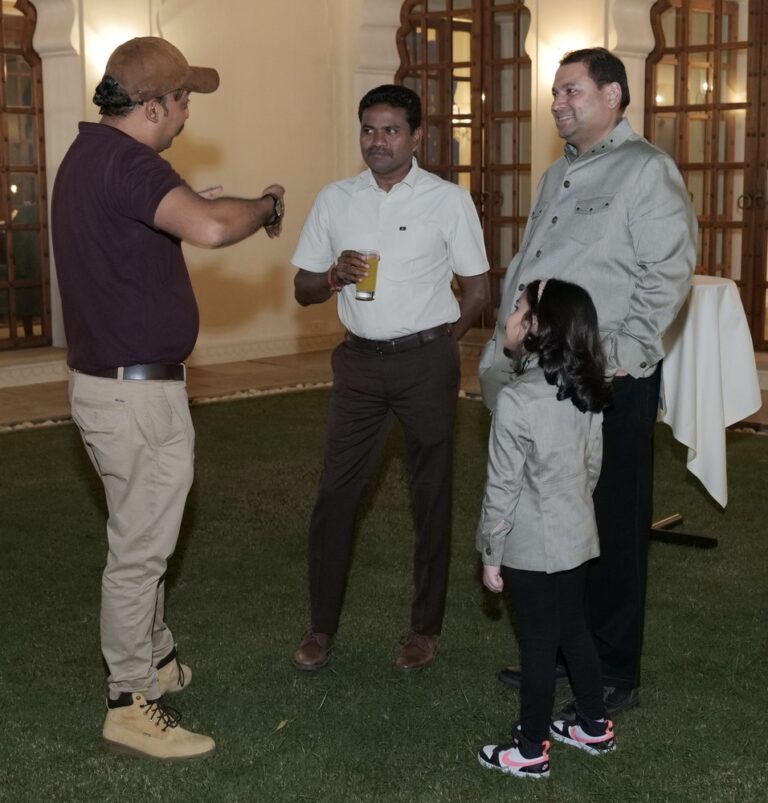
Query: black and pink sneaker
x=595, y=736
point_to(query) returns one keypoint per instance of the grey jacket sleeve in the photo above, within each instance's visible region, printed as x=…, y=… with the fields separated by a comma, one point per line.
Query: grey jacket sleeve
x=508, y=446
x=663, y=230
x=595, y=453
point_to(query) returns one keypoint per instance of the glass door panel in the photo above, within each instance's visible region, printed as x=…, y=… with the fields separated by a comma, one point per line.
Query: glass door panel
x=732, y=136
x=665, y=133
x=698, y=137
x=729, y=196
x=696, y=181
x=504, y=35
x=699, y=79
x=503, y=195
x=707, y=106
x=502, y=142
x=524, y=198
x=666, y=83
x=700, y=27
x=413, y=44
x=733, y=76
x=504, y=246
x=669, y=22
x=504, y=89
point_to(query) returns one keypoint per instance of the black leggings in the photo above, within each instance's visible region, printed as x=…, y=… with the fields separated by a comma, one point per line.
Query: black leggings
x=551, y=616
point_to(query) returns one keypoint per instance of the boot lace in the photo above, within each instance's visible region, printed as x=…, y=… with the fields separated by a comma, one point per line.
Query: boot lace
x=180, y=669
x=160, y=714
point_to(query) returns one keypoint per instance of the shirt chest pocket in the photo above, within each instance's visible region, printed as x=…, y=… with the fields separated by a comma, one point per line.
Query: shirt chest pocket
x=413, y=253
x=592, y=217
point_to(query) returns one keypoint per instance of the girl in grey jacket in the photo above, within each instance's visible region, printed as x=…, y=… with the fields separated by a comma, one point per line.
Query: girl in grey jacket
x=537, y=530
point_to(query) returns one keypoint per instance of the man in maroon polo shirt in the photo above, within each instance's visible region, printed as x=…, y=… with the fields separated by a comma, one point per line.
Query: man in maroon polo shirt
x=119, y=215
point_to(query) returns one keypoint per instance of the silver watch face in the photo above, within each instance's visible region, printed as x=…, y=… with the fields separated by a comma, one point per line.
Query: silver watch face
x=278, y=208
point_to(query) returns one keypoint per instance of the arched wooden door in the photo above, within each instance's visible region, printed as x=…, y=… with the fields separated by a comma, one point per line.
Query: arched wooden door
x=24, y=283
x=467, y=62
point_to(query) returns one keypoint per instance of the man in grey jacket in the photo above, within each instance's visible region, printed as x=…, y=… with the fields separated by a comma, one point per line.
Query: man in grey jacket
x=614, y=216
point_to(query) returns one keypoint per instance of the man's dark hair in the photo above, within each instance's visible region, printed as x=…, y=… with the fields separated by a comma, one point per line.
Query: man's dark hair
x=392, y=95
x=568, y=343
x=603, y=67
x=113, y=100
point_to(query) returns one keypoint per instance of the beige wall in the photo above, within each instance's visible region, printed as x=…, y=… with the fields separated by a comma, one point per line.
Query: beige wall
x=284, y=112
x=275, y=118
x=292, y=72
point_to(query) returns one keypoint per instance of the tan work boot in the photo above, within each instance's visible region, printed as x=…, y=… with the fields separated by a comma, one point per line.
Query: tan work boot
x=172, y=675
x=148, y=728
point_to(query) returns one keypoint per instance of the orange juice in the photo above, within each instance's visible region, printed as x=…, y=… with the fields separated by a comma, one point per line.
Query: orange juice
x=365, y=288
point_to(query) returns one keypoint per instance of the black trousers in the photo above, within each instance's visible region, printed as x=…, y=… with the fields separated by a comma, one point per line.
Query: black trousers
x=551, y=616
x=419, y=387
x=624, y=510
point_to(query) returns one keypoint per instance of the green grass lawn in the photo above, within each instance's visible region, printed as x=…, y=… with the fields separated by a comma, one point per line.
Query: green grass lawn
x=359, y=731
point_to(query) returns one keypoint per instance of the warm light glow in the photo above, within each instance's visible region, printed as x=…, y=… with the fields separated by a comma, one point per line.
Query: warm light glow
x=659, y=99
x=14, y=188
x=551, y=52
x=462, y=98
x=101, y=44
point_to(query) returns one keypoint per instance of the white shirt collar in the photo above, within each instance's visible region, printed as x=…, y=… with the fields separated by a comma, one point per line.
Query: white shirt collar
x=366, y=180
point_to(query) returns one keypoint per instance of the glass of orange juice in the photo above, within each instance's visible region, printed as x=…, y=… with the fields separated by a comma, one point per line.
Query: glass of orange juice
x=366, y=287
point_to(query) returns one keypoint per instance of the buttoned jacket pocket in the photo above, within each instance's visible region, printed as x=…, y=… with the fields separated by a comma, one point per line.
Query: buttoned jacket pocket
x=591, y=220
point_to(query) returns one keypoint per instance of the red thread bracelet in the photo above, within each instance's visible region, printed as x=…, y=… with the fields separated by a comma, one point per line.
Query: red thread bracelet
x=333, y=281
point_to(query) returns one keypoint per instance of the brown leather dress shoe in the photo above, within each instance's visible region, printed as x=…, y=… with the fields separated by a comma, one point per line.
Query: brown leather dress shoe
x=312, y=652
x=417, y=652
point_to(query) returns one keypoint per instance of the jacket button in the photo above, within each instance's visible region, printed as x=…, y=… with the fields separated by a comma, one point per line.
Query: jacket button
x=487, y=550
x=643, y=364
x=554, y=219
x=538, y=253
x=566, y=184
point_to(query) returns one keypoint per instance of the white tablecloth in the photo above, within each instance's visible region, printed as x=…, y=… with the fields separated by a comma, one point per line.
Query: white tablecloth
x=709, y=378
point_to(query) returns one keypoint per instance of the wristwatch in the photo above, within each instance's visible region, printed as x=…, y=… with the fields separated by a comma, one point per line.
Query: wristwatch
x=277, y=213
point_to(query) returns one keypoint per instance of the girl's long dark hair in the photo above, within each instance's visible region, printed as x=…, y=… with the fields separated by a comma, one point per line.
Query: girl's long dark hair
x=568, y=343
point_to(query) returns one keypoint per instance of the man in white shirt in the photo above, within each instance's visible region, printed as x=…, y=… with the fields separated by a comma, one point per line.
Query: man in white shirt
x=399, y=357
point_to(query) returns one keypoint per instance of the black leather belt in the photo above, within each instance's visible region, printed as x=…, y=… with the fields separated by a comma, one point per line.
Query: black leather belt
x=400, y=343
x=168, y=371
